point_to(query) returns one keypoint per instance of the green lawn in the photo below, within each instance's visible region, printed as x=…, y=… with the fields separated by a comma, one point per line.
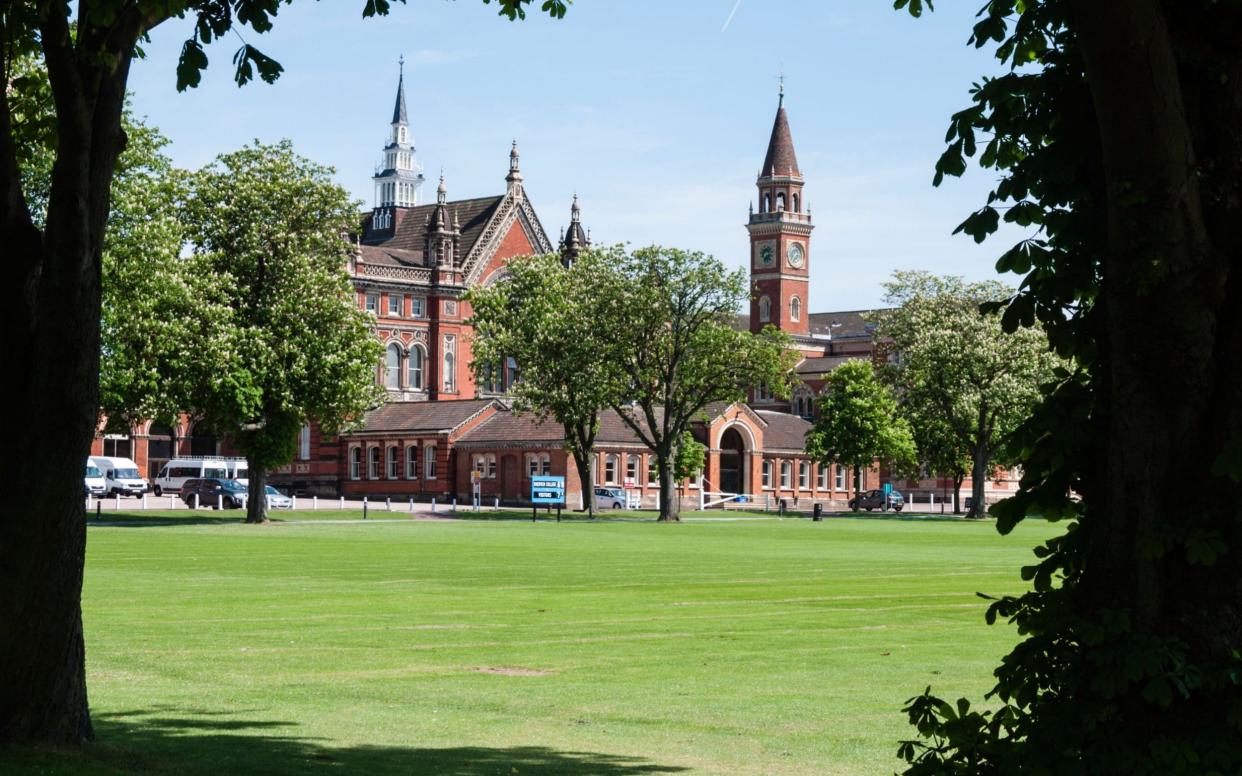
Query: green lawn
x=421, y=647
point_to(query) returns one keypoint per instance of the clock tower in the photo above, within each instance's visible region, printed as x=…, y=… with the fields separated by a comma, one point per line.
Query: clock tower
x=780, y=237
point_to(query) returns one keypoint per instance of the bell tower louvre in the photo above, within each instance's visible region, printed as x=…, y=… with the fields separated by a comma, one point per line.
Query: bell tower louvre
x=780, y=237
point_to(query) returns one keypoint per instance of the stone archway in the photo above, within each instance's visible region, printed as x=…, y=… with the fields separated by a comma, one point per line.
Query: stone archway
x=734, y=459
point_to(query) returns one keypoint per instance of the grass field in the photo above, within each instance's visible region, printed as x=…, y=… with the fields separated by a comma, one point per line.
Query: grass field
x=506, y=647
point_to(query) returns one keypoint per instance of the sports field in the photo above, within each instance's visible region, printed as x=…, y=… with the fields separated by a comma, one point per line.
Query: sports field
x=505, y=647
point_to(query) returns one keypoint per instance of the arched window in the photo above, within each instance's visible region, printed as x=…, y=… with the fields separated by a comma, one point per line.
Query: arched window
x=414, y=378
x=160, y=441
x=392, y=366
x=795, y=309
x=355, y=463
x=797, y=204
x=373, y=461
x=786, y=474
x=394, y=462
x=411, y=462
x=765, y=309
x=767, y=203
x=304, y=443
x=429, y=462
x=450, y=371
x=532, y=465
x=780, y=201
x=631, y=468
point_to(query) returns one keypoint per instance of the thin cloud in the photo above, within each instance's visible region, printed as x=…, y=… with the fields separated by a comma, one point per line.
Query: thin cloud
x=736, y=5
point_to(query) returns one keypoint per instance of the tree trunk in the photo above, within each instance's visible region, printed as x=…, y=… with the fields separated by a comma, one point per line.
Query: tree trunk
x=256, y=503
x=957, y=493
x=857, y=485
x=670, y=504
x=49, y=370
x=586, y=480
x=1171, y=392
x=978, y=482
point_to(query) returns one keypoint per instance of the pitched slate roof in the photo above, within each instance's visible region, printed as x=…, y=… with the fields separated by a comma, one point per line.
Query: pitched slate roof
x=848, y=323
x=509, y=426
x=781, y=159
x=823, y=365
x=784, y=432
x=393, y=257
x=422, y=416
x=410, y=224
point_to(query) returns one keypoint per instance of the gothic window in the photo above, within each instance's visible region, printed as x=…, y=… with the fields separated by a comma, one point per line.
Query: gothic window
x=450, y=362
x=392, y=366
x=765, y=309
x=355, y=463
x=780, y=201
x=414, y=377
x=411, y=462
x=394, y=461
x=373, y=461
x=795, y=309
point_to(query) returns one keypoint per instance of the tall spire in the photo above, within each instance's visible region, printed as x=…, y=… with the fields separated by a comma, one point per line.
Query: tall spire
x=781, y=161
x=399, y=116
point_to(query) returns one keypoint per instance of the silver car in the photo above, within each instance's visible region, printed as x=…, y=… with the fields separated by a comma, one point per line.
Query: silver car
x=277, y=500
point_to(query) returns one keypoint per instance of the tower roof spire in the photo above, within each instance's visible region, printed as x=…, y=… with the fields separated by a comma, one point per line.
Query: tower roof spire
x=781, y=159
x=399, y=115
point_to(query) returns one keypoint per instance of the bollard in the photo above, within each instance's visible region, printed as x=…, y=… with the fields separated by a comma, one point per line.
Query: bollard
x=219, y=501
x=411, y=504
x=196, y=501
x=118, y=502
x=388, y=503
x=364, y=507
x=342, y=502
x=433, y=506
x=293, y=502
x=454, y=504
x=89, y=501
x=97, y=505
x=144, y=501
x=314, y=503
x=496, y=504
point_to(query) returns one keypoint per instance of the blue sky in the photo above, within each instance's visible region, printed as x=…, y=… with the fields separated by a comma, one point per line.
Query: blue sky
x=653, y=113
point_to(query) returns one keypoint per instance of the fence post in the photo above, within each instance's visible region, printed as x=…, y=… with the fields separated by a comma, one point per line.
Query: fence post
x=433, y=505
x=293, y=502
x=118, y=502
x=388, y=503
x=144, y=501
x=702, y=496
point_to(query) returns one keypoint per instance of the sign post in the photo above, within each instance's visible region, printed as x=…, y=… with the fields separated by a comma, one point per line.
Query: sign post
x=476, y=480
x=546, y=489
x=888, y=494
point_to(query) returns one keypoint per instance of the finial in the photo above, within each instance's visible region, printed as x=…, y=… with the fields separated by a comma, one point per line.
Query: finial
x=441, y=190
x=781, y=89
x=574, y=209
x=401, y=66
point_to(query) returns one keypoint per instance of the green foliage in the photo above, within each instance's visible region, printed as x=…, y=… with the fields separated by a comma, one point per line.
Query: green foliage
x=965, y=383
x=267, y=224
x=1089, y=689
x=691, y=453
x=858, y=422
x=674, y=347
x=540, y=314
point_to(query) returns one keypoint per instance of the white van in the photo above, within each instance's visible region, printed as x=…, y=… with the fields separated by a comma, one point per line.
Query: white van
x=238, y=471
x=94, y=480
x=121, y=476
x=178, y=470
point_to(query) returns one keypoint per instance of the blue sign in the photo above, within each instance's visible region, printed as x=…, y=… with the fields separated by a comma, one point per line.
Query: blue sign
x=888, y=488
x=545, y=489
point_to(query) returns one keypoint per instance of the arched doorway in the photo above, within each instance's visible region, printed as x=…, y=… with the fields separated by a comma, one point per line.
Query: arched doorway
x=161, y=441
x=202, y=441
x=733, y=462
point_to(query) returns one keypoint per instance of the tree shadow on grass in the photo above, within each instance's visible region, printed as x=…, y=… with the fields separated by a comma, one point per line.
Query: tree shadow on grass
x=140, y=520
x=187, y=743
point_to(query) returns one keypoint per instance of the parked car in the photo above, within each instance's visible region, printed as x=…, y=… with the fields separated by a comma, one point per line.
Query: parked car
x=875, y=499
x=213, y=492
x=614, y=498
x=178, y=470
x=94, y=481
x=238, y=471
x=277, y=500
x=121, y=476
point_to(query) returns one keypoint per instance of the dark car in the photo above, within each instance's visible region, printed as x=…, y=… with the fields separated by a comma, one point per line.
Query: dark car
x=874, y=499
x=213, y=492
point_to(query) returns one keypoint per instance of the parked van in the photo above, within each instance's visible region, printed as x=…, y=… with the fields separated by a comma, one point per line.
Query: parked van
x=238, y=471
x=178, y=470
x=121, y=476
x=94, y=481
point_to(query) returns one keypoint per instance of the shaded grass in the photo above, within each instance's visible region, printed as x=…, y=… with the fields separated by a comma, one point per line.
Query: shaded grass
x=764, y=646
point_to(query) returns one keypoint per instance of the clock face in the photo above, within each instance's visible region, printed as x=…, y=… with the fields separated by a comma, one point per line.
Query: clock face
x=765, y=256
x=796, y=255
